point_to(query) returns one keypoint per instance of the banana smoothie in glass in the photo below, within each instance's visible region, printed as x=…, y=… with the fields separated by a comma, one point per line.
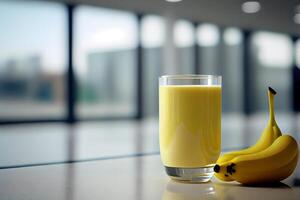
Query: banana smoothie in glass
x=190, y=125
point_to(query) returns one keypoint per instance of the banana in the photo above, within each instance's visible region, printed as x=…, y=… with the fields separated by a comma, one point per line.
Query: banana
x=268, y=136
x=275, y=163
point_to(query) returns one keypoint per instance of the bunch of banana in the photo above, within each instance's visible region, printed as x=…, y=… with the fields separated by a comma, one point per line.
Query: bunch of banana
x=273, y=158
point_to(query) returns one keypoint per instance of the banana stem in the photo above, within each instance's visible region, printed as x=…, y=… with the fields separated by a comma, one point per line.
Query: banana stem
x=271, y=94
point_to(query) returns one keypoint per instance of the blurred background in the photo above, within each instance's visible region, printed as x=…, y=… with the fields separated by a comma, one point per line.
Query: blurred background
x=79, y=78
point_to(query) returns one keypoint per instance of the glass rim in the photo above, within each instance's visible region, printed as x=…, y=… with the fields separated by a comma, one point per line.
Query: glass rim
x=190, y=76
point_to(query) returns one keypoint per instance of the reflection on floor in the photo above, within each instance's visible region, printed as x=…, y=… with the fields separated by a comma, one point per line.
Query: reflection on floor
x=134, y=178
x=49, y=143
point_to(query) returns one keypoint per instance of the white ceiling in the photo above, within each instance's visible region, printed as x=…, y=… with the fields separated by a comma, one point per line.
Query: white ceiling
x=275, y=15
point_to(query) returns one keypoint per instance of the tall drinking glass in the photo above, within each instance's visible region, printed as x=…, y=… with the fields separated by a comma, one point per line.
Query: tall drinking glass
x=190, y=125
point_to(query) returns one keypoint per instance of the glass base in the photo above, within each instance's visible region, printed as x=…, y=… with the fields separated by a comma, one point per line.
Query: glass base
x=191, y=175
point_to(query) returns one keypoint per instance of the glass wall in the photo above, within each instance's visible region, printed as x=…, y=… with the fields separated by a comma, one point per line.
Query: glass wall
x=184, y=39
x=222, y=54
x=32, y=60
x=208, y=39
x=232, y=70
x=105, y=44
x=272, y=58
x=297, y=53
x=33, y=55
x=296, y=77
x=152, y=45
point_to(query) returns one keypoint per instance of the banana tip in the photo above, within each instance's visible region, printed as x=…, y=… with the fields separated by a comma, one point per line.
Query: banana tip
x=217, y=168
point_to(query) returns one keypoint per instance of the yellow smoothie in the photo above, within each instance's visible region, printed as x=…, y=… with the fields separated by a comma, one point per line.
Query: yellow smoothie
x=189, y=125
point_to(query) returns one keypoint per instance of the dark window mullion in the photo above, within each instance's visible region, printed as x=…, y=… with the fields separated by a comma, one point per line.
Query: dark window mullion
x=246, y=72
x=70, y=80
x=295, y=79
x=196, y=50
x=139, y=74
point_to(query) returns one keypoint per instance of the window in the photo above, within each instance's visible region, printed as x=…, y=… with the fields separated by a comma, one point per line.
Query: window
x=152, y=45
x=184, y=38
x=296, y=76
x=232, y=70
x=232, y=36
x=32, y=60
x=208, y=37
x=105, y=62
x=274, y=50
x=271, y=56
x=297, y=53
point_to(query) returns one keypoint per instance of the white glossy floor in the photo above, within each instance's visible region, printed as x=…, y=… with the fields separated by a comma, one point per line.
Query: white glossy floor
x=120, y=160
x=140, y=178
x=47, y=143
